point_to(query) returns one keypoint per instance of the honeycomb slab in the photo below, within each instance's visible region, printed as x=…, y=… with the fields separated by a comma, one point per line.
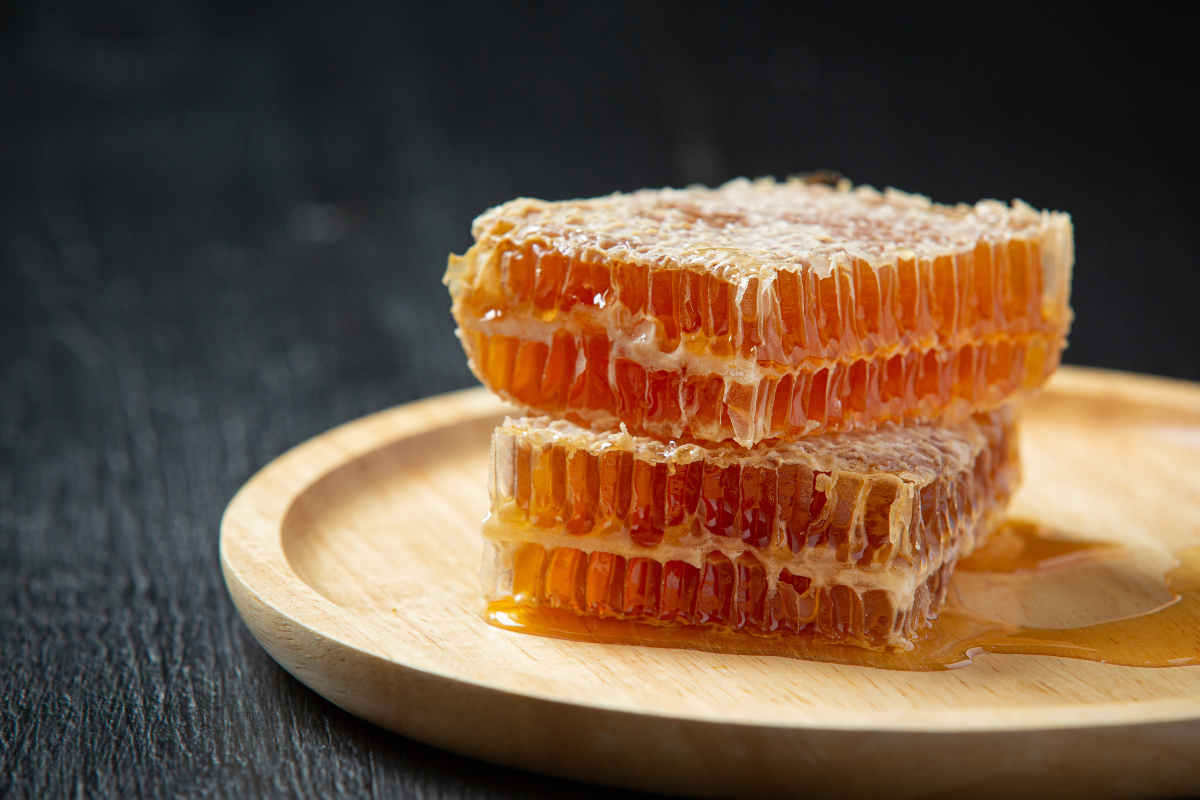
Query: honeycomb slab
x=763, y=310
x=851, y=537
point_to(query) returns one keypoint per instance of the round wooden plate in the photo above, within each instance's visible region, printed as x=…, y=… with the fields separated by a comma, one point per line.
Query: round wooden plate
x=353, y=559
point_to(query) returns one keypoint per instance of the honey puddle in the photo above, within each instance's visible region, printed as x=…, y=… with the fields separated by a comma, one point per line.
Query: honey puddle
x=1025, y=592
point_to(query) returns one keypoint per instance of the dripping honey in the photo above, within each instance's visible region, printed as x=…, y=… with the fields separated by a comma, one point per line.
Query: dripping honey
x=1167, y=633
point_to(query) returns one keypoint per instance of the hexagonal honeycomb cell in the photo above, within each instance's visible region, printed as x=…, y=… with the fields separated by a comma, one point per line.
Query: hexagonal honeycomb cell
x=763, y=311
x=852, y=537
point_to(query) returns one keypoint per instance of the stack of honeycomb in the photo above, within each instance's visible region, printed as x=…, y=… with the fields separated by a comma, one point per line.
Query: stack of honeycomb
x=776, y=409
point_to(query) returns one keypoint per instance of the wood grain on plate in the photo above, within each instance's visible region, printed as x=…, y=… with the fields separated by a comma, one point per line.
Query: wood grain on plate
x=353, y=559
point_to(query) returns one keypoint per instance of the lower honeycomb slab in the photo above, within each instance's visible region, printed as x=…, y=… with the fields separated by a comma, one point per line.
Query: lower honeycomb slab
x=850, y=537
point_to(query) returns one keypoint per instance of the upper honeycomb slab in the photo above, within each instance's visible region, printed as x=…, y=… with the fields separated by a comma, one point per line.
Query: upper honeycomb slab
x=763, y=310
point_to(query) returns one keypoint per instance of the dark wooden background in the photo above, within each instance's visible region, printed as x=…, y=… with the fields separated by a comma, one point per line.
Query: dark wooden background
x=222, y=231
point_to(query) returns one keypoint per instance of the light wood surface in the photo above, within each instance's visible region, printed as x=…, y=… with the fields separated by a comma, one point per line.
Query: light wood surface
x=353, y=559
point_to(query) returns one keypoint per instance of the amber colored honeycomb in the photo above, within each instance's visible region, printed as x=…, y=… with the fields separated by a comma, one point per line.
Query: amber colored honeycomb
x=852, y=518
x=762, y=311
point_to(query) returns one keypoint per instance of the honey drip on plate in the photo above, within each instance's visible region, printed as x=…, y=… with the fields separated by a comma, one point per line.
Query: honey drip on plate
x=1021, y=577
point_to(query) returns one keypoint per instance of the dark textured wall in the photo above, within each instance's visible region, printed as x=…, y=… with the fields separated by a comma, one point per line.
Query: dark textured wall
x=222, y=231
